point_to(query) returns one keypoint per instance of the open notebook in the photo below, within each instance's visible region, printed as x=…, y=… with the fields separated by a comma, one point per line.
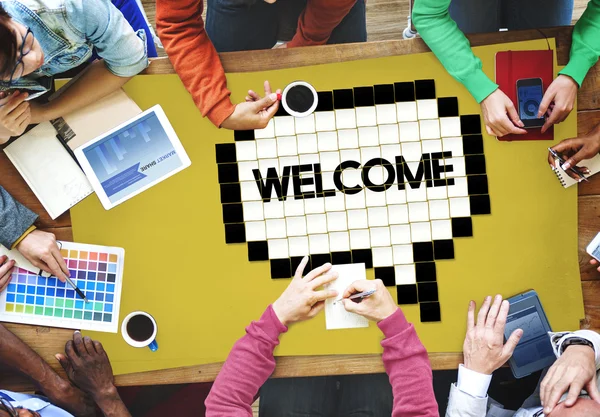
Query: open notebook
x=43, y=156
x=592, y=164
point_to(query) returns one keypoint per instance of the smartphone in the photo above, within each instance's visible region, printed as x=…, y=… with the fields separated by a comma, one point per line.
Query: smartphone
x=594, y=248
x=534, y=351
x=529, y=93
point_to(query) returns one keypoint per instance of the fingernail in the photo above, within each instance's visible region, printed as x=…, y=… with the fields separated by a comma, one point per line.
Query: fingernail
x=521, y=124
x=566, y=166
x=278, y=96
x=273, y=96
x=76, y=331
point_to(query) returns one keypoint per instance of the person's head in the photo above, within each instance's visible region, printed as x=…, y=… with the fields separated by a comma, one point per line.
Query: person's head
x=583, y=407
x=7, y=410
x=14, y=38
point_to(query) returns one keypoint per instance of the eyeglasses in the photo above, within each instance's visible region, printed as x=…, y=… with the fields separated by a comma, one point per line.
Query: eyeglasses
x=26, y=47
x=8, y=407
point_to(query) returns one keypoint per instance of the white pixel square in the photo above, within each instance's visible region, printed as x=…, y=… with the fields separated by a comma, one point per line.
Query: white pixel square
x=265, y=164
x=380, y=236
x=278, y=248
x=339, y=241
x=368, y=136
x=253, y=210
x=429, y=129
x=460, y=207
x=324, y=121
x=287, y=161
x=275, y=228
x=398, y=214
x=386, y=113
x=245, y=170
x=395, y=196
x=356, y=201
x=293, y=207
x=454, y=145
x=388, y=134
x=284, y=126
x=336, y=221
x=329, y=161
x=439, y=209
x=416, y=194
x=309, y=159
x=298, y=246
x=296, y=226
x=350, y=155
x=405, y=274
x=348, y=138
x=327, y=141
x=382, y=257
x=450, y=126
x=255, y=231
x=305, y=124
x=359, y=239
x=366, y=154
x=366, y=116
x=400, y=234
x=345, y=119
x=246, y=150
x=403, y=254
x=432, y=146
x=427, y=109
x=459, y=189
x=375, y=199
x=357, y=219
x=436, y=193
x=249, y=191
x=266, y=148
x=316, y=223
x=390, y=152
x=314, y=206
x=406, y=111
x=337, y=203
x=286, y=146
x=318, y=244
x=307, y=144
x=273, y=209
x=409, y=131
x=458, y=167
x=418, y=212
x=420, y=232
x=378, y=216
x=441, y=229
x=412, y=151
x=267, y=132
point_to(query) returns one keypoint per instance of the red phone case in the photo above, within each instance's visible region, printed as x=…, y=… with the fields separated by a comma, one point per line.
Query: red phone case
x=515, y=65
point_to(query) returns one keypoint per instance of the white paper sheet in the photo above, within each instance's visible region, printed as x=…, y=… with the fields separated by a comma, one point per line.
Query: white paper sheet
x=336, y=316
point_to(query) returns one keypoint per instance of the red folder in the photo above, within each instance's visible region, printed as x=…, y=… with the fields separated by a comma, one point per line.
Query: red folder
x=515, y=65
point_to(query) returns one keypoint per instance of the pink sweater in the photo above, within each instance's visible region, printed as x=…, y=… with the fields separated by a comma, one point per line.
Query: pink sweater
x=251, y=362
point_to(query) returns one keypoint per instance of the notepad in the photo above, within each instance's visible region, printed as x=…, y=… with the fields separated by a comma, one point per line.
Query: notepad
x=20, y=260
x=49, y=170
x=336, y=316
x=592, y=164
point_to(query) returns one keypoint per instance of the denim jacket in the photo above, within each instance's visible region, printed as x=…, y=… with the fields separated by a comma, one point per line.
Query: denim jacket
x=68, y=31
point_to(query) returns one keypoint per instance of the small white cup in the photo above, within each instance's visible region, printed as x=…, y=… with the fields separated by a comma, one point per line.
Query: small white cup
x=150, y=342
x=293, y=112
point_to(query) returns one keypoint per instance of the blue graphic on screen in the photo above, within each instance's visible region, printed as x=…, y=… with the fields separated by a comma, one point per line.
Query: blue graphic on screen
x=132, y=157
x=530, y=98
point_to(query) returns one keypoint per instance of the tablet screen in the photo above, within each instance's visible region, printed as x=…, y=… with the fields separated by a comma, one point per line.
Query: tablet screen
x=535, y=343
x=133, y=157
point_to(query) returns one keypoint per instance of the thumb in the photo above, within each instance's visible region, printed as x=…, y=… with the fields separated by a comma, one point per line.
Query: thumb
x=265, y=102
x=512, y=114
x=512, y=343
x=545, y=103
x=351, y=306
x=64, y=362
x=356, y=287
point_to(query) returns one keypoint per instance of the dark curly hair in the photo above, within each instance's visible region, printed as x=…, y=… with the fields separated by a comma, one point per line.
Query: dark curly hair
x=8, y=44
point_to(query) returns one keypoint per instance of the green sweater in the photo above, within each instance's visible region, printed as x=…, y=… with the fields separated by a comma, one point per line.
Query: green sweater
x=449, y=44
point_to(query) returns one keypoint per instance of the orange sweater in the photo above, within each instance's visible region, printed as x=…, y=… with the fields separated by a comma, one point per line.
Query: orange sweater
x=181, y=30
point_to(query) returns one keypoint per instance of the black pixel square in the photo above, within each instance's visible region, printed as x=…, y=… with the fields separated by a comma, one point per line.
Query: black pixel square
x=470, y=124
x=422, y=251
x=343, y=99
x=472, y=144
x=407, y=294
x=233, y=213
x=320, y=259
x=228, y=173
x=424, y=89
x=480, y=204
x=475, y=164
x=235, y=233
x=364, y=96
x=404, y=92
x=341, y=258
x=387, y=275
x=225, y=152
x=425, y=271
x=477, y=184
x=428, y=291
x=240, y=135
x=258, y=251
x=384, y=94
x=281, y=268
x=281, y=111
x=462, y=227
x=443, y=249
x=325, y=101
x=363, y=256
x=430, y=312
x=231, y=193
x=447, y=107
x=296, y=263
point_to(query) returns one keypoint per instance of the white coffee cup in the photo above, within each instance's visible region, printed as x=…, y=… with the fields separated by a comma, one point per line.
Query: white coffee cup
x=149, y=341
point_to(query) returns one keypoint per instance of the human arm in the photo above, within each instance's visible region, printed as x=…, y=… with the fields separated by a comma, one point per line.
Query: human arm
x=16, y=220
x=251, y=360
x=577, y=150
x=15, y=114
x=404, y=356
x=451, y=47
x=318, y=19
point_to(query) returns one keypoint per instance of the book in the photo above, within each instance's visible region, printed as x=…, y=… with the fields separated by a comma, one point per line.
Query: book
x=592, y=164
x=516, y=65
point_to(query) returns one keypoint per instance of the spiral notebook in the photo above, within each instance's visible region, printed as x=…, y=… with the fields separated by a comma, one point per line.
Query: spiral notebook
x=592, y=164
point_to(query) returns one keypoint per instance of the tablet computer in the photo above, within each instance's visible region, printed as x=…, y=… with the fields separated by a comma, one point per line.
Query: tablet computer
x=534, y=351
x=132, y=157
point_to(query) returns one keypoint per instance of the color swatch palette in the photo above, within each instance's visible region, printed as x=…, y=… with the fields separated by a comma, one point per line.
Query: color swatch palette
x=96, y=270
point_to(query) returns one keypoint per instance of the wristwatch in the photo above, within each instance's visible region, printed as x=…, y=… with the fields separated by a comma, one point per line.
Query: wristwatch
x=576, y=341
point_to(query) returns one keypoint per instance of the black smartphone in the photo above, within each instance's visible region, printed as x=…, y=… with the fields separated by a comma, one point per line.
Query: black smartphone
x=530, y=92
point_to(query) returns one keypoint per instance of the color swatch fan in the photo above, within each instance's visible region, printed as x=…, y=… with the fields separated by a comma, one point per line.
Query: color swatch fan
x=96, y=270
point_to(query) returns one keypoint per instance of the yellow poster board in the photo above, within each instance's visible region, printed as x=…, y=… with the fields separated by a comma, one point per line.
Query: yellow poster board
x=203, y=292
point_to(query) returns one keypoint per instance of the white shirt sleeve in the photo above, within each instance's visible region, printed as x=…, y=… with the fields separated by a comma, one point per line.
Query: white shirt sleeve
x=473, y=383
x=558, y=340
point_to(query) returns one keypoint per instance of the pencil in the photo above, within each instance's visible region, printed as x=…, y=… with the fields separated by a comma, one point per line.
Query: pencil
x=77, y=290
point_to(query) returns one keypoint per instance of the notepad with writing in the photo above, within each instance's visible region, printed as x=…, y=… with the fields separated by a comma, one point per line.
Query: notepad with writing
x=592, y=164
x=336, y=316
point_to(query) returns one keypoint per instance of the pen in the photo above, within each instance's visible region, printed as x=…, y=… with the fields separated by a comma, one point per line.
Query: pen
x=360, y=295
x=576, y=170
x=77, y=290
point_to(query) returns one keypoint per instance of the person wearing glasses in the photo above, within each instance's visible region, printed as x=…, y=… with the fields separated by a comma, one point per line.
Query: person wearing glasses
x=244, y=25
x=89, y=382
x=42, y=38
x=569, y=388
x=441, y=24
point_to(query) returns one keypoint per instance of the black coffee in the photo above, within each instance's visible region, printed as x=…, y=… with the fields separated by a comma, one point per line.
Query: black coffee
x=140, y=328
x=299, y=98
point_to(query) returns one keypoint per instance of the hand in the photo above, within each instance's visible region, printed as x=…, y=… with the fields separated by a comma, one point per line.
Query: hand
x=500, y=116
x=87, y=366
x=376, y=307
x=254, y=114
x=592, y=262
x=484, y=350
x=302, y=300
x=558, y=100
x=577, y=149
x=15, y=114
x=41, y=250
x=38, y=112
x=6, y=269
x=573, y=371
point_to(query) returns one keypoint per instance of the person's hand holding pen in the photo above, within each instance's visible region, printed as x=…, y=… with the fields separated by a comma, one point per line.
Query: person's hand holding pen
x=576, y=150
x=376, y=307
x=40, y=248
